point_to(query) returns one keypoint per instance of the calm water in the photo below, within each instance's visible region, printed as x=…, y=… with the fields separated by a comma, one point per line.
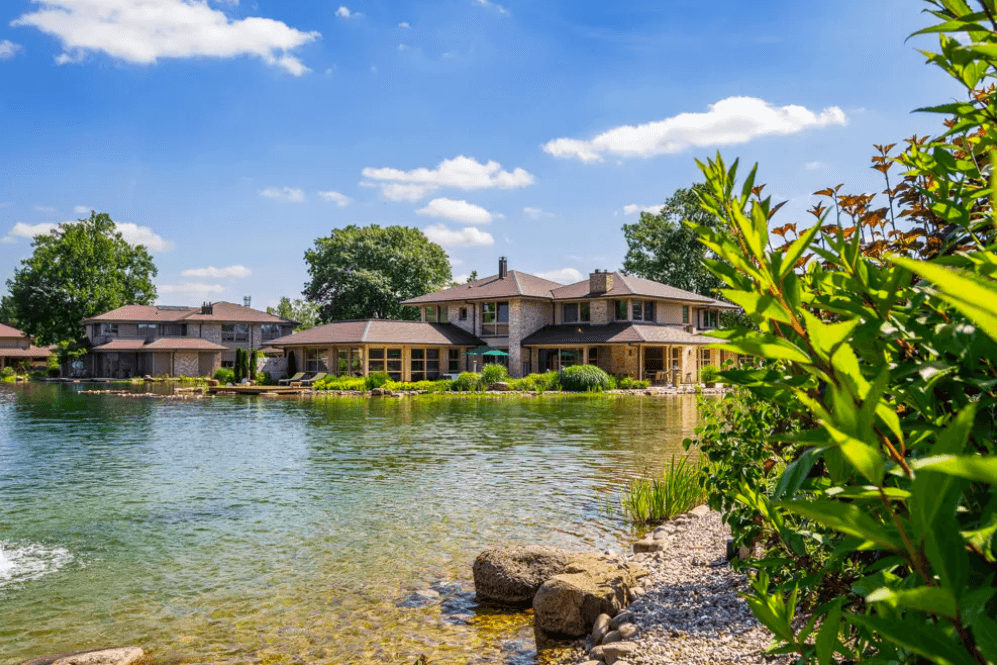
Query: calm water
x=268, y=530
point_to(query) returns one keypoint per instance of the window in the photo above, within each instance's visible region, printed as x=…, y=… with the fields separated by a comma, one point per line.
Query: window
x=313, y=361
x=570, y=357
x=462, y=315
x=593, y=355
x=235, y=332
x=638, y=310
x=110, y=328
x=575, y=312
x=394, y=364
x=620, y=307
x=432, y=364
x=95, y=329
x=713, y=319
x=436, y=314
x=342, y=362
x=228, y=364
x=494, y=319
x=453, y=359
x=648, y=310
x=271, y=331
x=173, y=329
x=418, y=364
x=375, y=362
x=685, y=314
x=356, y=362
x=147, y=330
x=676, y=358
x=704, y=358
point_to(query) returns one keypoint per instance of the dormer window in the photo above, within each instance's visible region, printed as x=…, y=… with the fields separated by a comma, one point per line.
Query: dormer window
x=576, y=313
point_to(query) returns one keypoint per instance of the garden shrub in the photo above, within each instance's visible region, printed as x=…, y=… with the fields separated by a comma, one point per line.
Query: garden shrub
x=440, y=385
x=8, y=374
x=466, y=382
x=347, y=383
x=630, y=383
x=584, y=378
x=224, y=375
x=709, y=374
x=377, y=380
x=869, y=480
x=538, y=382
x=494, y=373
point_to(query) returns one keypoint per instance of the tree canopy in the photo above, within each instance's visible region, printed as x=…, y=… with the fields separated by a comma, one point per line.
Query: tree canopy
x=304, y=312
x=78, y=270
x=365, y=272
x=662, y=248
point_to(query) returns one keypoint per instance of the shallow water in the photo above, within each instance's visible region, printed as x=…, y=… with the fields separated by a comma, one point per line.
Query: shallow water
x=264, y=530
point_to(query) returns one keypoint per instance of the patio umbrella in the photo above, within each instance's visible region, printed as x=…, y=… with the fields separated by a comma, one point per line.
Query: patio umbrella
x=486, y=351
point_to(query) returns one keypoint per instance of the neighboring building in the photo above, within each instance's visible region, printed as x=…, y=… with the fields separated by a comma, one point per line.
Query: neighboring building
x=624, y=324
x=155, y=340
x=16, y=349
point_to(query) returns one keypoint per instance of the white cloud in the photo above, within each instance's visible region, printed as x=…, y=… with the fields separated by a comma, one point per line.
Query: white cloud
x=340, y=200
x=191, y=288
x=487, y=3
x=230, y=272
x=536, y=214
x=458, y=211
x=466, y=237
x=344, y=12
x=404, y=25
x=133, y=234
x=563, y=275
x=8, y=49
x=454, y=262
x=813, y=166
x=81, y=210
x=403, y=47
x=460, y=279
x=284, y=194
x=633, y=208
x=728, y=122
x=460, y=172
x=143, y=31
x=397, y=192
x=46, y=209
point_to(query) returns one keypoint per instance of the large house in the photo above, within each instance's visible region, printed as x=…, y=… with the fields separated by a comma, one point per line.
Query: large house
x=17, y=348
x=156, y=340
x=624, y=324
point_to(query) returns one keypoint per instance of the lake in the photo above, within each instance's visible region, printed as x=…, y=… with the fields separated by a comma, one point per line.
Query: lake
x=275, y=530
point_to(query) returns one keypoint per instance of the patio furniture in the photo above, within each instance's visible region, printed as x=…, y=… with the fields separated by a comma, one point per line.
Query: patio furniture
x=311, y=380
x=296, y=377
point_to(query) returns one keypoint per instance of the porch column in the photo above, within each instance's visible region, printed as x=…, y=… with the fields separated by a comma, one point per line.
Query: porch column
x=365, y=350
x=640, y=363
x=585, y=355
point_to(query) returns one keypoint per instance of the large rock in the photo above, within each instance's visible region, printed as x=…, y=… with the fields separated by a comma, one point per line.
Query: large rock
x=118, y=656
x=569, y=603
x=512, y=575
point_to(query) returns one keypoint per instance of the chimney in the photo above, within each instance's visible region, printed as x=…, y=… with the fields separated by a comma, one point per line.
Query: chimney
x=207, y=308
x=600, y=281
x=247, y=301
x=503, y=267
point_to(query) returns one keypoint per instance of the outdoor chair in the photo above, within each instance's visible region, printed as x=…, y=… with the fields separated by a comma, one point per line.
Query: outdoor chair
x=311, y=380
x=296, y=377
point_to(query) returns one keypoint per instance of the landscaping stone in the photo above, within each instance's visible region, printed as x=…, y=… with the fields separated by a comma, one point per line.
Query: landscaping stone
x=700, y=511
x=600, y=628
x=116, y=656
x=569, y=603
x=597, y=654
x=627, y=631
x=618, y=651
x=612, y=636
x=620, y=619
x=512, y=575
x=501, y=386
x=649, y=544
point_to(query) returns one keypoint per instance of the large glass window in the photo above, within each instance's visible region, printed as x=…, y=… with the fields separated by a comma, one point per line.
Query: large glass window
x=571, y=357
x=394, y=364
x=494, y=319
x=147, y=330
x=576, y=312
x=453, y=361
x=685, y=314
x=436, y=314
x=356, y=362
x=713, y=318
x=375, y=362
x=648, y=310
x=418, y=364
x=343, y=362
x=462, y=314
x=620, y=308
x=313, y=361
x=432, y=364
x=638, y=310
x=110, y=328
x=593, y=355
x=235, y=332
x=271, y=331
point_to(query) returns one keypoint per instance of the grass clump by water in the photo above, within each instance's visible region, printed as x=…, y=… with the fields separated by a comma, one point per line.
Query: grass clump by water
x=677, y=491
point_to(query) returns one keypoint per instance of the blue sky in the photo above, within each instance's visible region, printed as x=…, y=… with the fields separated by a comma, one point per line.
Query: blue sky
x=228, y=135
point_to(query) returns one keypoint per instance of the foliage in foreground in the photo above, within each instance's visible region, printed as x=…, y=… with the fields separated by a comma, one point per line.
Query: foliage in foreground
x=653, y=500
x=874, y=499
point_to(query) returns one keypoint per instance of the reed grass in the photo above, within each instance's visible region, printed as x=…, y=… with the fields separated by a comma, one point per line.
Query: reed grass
x=653, y=500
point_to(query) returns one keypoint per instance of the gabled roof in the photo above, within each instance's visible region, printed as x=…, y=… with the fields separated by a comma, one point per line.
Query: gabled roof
x=628, y=286
x=222, y=312
x=614, y=333
x=516, y=284
x=7, y=331
x=380, y=331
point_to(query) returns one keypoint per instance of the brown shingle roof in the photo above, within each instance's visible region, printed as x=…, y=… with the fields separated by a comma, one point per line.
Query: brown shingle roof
x=380, y=331
x=222, y=312
x=515, y=284
x=161, y=344
x=7, y=331
x=30, y=352
x=631, y=285
x=613, y=333
x=121, y=345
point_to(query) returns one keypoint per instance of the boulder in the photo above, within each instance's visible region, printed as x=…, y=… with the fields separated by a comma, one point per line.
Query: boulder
x=649, y=544
x=501, y=386
x=512, y=575
x=620, y=619
x=600, y=628
x=627, y=630
x=612, y=636
x=618, y=651
x=597, y=653
x=569, y=603
x=117, y=656
x=700, y=511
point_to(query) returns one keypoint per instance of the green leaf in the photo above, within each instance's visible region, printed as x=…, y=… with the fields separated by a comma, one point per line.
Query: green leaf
x=866, y=459
x=924, y=639
x=766, y=306
x=794, y=475
x=848, y=519
x=972, y=467
x=827, y=636
x=936, y=494
x=929, y=599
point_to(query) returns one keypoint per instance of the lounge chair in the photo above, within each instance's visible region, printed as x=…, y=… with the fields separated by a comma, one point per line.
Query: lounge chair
x=296, y=377
x=311, y=380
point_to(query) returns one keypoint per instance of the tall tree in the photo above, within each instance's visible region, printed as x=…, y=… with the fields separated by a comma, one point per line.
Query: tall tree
x=78, y=270
x=365, y=272
x=304, y=312
x=662, y=248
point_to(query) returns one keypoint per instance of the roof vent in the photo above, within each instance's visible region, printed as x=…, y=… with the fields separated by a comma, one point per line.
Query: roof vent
x=207, y=308
x=503, y=267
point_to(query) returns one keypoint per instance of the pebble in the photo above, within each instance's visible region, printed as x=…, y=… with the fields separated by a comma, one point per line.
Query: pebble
x=612, y=636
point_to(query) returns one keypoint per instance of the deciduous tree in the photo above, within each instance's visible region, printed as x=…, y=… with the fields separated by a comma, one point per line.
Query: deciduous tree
x=304, y=312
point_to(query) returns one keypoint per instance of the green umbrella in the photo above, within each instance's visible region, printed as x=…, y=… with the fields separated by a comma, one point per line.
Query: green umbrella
x=486, y=351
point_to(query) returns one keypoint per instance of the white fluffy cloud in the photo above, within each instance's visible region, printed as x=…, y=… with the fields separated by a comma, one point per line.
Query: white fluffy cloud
x=211, y=272
x=562, y=275
x=487, y=3
x=466, y=237
x=8, y=49
x=81, y=210
x=458, y=211
x=633, y=208
x=284, y=194
x=397, y=192
x=728, y=122
x=340, y=200
x=143, y=31
x=536, y=214
x=460, y=172
x=404, y=25
x=190, y=288
x=132, y=233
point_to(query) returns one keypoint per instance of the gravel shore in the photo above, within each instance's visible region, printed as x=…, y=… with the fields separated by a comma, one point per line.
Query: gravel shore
x=690, y=611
